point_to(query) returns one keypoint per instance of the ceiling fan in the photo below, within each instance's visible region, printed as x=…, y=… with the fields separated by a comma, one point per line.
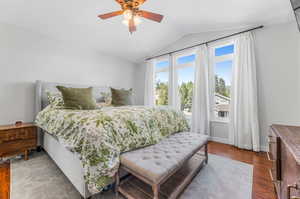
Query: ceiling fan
x=132, y=13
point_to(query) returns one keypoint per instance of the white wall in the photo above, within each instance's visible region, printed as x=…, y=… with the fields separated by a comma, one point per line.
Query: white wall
x=278, y=63
x=27, y=56
x=140, y=83
x=278, y=52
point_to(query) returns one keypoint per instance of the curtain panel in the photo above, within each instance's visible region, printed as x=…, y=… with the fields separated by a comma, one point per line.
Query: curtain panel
x=201, y=104
x=173, y=93
x=243, y=125
x=149, y=95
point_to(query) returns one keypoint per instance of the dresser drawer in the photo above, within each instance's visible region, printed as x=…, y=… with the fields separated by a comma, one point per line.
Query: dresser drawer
x=16, y=146
x=18, y=134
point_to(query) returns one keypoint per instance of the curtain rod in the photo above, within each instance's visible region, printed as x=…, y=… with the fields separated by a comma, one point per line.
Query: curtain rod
x=175, y=51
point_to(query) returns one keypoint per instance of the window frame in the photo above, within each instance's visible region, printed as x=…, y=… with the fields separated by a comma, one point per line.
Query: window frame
x=185, y=53
x=178, y=66
x=213, y=60
x=161, y=70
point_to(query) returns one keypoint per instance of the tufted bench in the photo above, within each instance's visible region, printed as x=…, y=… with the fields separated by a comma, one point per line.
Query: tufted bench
x=155, y=164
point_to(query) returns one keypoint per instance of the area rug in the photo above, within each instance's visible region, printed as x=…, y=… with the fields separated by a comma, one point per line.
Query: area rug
x=40, y=178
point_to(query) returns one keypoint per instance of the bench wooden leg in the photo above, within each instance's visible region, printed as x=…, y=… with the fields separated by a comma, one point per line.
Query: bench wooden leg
x=117, y=178
x=206, y=153
x=155, y=189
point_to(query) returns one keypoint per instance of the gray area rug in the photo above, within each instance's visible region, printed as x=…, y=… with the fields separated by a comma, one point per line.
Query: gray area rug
x=40, y=178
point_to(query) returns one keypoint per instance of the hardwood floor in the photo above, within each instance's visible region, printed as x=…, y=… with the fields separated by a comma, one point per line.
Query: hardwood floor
x=262, y=184
x=4, y=180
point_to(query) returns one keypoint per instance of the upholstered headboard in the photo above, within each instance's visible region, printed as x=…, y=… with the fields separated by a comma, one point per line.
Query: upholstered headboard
x=41, y=100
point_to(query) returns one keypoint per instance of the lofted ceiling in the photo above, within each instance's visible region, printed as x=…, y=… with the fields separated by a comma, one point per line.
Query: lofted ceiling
x=76, y=21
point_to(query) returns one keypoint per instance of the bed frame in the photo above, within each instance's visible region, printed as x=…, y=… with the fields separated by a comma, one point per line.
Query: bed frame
x=66, y=160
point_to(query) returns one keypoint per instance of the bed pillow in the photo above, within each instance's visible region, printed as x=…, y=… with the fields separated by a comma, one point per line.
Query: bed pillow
x=78, y=98
x=121, y=97
x=55, y=99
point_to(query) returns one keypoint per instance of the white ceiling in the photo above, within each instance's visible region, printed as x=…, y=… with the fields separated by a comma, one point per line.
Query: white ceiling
x=76, y=20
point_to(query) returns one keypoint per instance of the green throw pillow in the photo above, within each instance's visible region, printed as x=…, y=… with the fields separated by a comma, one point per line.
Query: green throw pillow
x=121, y=97
x=78, y=98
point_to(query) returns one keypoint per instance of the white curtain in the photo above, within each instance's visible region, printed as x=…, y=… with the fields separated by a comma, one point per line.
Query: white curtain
x=244, y=128
x=200, y=107
x=173, y=92
x=149, y=84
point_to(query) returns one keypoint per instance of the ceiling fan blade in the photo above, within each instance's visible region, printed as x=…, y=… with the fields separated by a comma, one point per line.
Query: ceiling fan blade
x=132, y=27
x=111, y=14
x=152, y=16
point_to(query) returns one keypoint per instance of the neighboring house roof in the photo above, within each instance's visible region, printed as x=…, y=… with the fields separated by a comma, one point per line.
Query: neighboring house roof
x=223, y=107
x=222, y=96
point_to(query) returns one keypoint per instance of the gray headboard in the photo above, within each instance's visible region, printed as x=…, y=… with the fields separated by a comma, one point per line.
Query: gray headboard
x=41, y=100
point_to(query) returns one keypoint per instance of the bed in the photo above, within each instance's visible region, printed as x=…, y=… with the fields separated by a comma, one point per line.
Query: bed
x=86, y=144
x=66, y=160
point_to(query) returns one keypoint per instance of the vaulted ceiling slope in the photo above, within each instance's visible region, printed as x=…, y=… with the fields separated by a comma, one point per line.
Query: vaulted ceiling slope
x=77, y=21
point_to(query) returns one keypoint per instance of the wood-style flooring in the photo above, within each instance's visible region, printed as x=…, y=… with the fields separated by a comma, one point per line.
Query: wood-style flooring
x=4, y=180
x=262, y=184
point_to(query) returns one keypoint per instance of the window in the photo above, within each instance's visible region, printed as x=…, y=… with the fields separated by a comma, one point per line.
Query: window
x=161, y=82
x=222, y=63
x=185, y=68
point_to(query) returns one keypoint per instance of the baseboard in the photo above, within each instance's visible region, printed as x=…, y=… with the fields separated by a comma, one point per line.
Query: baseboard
x=264, y=148
x=226, y=141
x=221, y=140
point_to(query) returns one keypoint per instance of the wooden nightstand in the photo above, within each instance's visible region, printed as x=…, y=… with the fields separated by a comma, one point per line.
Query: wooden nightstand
x=17, y=139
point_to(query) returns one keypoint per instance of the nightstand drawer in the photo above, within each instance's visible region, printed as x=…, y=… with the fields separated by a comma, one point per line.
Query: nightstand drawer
x=30, y=132
x=17, y=139
x=17, y=134
x=16, y=146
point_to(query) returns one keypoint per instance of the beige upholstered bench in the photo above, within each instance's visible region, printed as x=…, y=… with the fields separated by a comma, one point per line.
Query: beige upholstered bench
x=156, y=165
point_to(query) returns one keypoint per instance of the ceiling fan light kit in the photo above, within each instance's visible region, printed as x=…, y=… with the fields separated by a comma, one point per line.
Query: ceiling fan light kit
x=132, y=14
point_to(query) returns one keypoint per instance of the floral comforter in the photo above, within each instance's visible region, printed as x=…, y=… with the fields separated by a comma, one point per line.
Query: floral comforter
x=100, y=136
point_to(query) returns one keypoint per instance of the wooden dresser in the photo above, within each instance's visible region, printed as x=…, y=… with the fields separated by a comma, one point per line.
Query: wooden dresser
x=284, y=152
x=17, y=139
